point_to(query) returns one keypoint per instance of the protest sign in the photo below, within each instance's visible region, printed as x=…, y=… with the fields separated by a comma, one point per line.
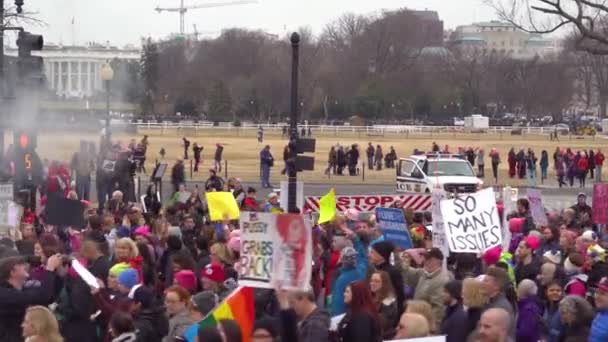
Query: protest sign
x=65, y=212
x=327, y=205
x=6, y=199
x=87, y=276
x=600, y=203
x=222, y=204
x=283, y=195
x=276, y=250
x=439, y=239
x=536, y=207
x=394, y=227
x=423, y=339
x=508, y=203
x=471, y=222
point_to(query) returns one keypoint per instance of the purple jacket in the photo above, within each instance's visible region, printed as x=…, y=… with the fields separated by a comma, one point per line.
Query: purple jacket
x=528, y=320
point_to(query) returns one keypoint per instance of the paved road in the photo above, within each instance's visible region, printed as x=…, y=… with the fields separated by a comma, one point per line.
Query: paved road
x=553, y=198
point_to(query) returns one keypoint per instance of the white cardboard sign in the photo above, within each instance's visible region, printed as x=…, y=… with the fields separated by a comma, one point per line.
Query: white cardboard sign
x=471, y=222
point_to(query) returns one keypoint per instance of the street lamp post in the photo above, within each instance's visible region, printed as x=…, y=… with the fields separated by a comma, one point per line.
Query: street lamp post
x=293, y=125
x=107, y=74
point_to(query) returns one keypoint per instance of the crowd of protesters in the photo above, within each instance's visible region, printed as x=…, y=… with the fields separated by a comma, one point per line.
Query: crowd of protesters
x=162, y=266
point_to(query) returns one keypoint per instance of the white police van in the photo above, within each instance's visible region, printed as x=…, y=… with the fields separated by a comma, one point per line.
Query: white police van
x=423, y=173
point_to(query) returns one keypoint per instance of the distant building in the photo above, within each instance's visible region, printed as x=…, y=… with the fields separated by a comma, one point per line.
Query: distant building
x=431, y=27
x=499, y=37
x=74, y=71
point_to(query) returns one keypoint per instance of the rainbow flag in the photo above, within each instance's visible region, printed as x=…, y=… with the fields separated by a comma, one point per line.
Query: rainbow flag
x=238, y=306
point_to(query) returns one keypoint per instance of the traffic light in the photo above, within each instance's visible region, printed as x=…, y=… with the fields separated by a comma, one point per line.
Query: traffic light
x=28, y=168
x=30, y=67
x=304, y=145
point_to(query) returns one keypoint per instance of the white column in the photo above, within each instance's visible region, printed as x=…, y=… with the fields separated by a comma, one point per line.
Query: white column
x=69, y=77
x=59, y=89
x=79, y=78
x=89, y=92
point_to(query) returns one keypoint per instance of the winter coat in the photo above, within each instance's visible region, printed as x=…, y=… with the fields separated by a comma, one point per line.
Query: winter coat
x=389, y=317
x=577, y=285
x=501, y=302
x=529, y=271
x=528, y=320
x=453, y=324
x=315, y=327
x=347, y=276
x=575, y=333
x=178, y=174
x=553, y=324
x=473, y=315
x=14, y=302
x=151, y=325
x=429, y=288
x=178, y=324
x=599, y=327
x=77, y=307
x=359, y=327
x=218, y=153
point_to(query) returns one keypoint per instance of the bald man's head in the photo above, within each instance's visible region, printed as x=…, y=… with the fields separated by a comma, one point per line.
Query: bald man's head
x=494, y=325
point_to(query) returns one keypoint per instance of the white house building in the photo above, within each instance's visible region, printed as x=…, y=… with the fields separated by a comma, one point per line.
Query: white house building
x=74, y=71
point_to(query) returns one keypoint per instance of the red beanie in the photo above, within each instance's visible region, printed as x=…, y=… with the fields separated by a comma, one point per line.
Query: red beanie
x=213, y=271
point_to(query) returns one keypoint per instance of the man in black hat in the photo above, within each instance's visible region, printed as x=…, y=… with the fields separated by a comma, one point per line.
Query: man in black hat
x=149, y=317
x=429, y=281
x=455, y=317
x=380, y=256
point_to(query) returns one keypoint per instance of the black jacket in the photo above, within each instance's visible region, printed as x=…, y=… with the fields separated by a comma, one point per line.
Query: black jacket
x=315, y=328
x=14, y=302
x=454, y=323
x=397, y=281
x=359, y=327
x=151, y=325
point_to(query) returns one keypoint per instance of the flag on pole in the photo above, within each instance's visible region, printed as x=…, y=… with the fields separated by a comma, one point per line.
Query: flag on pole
x=238, y=306
x=327, y=207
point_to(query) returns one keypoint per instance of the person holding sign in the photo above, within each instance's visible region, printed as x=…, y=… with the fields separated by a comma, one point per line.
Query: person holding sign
x=354, y=267
x=429, y=281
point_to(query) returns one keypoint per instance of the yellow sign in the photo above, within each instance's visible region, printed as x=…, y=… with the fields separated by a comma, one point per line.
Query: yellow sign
x=327, y=207
x=222, y=205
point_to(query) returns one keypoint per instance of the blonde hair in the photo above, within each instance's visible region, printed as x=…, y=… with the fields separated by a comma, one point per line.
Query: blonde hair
x=416, y=325
x=44, y=323
x=472, y=293
x=424, y=309
x=130, y=243
x=222, y=252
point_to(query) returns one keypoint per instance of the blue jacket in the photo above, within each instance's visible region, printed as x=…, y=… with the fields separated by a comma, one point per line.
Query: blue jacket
x=347, y=276
x=599, y=327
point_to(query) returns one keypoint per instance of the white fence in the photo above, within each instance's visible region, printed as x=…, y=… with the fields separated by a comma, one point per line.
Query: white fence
x=371, y=130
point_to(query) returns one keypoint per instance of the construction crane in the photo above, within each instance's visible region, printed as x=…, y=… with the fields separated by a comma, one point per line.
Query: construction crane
x=182, y=9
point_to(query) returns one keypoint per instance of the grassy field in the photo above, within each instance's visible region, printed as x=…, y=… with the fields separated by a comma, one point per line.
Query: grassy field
x=242, y=149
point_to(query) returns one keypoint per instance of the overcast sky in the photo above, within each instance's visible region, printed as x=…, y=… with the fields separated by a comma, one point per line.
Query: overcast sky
x=126, y=21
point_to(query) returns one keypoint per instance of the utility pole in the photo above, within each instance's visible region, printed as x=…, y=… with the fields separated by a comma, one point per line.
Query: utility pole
x=293, y=125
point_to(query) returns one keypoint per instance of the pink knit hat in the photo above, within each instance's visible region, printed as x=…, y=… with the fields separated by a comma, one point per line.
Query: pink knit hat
x=186, y=279
x=532, y=242
x=492, y=255
x=516, y=224
x=143, y=231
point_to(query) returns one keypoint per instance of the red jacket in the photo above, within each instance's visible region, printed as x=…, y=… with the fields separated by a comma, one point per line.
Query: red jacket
x=583, y=164
x=599, y=159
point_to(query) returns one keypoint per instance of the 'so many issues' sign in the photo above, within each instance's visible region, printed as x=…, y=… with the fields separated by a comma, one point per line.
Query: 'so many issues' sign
x=471, y=222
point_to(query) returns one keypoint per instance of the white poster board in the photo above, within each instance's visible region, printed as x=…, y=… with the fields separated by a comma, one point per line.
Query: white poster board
x=439, y=238
x=283, y=195
x=536, y=207
x=471, y=222
x=276, y=250
x=424, y=339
